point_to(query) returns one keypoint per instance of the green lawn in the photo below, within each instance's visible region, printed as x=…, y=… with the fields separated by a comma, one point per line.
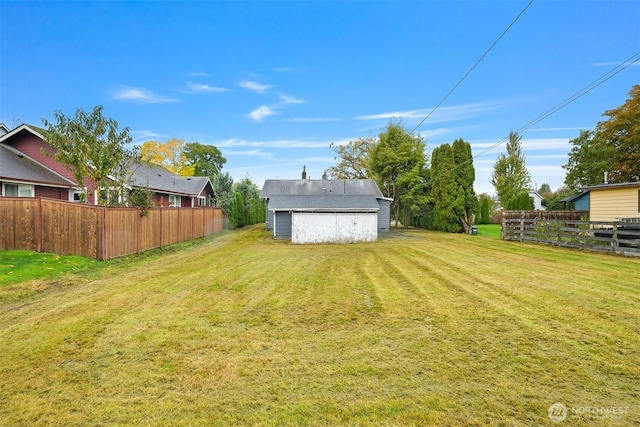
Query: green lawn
x=20, y=266
x=420, y=328
x=489, y=230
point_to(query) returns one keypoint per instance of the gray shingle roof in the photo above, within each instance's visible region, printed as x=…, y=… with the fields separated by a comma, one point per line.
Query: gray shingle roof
x=14, y=165
x=326, y=202
x=309, y=187
x=157, y=178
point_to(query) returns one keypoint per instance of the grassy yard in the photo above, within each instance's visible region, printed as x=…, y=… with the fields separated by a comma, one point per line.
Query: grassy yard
x=420, y=328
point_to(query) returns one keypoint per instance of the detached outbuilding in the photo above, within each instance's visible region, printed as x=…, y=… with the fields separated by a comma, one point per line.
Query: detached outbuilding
x=326, y=211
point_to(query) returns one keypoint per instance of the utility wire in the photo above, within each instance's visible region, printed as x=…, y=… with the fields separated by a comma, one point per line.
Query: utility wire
x=580, y=93
x=474, y=66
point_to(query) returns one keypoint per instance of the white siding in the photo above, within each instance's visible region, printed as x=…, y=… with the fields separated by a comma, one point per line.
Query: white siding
x=313, y=227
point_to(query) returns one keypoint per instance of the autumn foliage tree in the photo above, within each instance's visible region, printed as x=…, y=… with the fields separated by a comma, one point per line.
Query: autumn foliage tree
x=170, y=155
x=354, y=159
x=614, y=147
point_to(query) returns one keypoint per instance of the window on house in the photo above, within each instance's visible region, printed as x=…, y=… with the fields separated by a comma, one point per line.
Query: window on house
x=18, y=190
x=202, y=201
x=74, y=196
x=174, y=201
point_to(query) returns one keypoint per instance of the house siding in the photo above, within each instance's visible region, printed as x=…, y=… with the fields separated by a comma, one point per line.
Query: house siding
x=384, y=216
x=32, y=146
x=51, y=193
x=269, y=218
x=610, y=204
x=282, y=225
x=582, y=202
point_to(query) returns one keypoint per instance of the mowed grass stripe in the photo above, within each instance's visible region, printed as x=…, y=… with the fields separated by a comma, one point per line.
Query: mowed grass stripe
x=419, y=328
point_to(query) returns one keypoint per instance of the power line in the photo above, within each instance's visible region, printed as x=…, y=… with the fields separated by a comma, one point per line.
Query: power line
x=474, y=65
x=580, y=93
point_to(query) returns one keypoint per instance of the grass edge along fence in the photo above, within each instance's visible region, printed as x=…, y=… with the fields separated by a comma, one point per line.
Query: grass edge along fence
x=99, y=232
x=613, y=237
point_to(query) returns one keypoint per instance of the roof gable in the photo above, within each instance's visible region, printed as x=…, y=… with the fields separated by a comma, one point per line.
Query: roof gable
x=15, y=165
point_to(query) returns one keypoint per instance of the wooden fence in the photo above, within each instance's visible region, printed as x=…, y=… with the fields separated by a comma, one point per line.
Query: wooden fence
x=99, y=232
x=613, y=237
x=571, y=215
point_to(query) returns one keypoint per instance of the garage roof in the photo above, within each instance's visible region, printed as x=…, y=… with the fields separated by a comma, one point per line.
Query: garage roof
x=324, y=203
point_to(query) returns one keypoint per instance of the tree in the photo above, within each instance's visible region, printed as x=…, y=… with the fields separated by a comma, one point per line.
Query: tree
x=465, y=175
x=448, y=201
x=354, y=159
x=206, y=160
x=170, y=155
x=544, y=188
x=510, y=176
x=90, y=145
x=614, y=148
x=223, y=190
x=485, y=202
x=589, y=158
x=396, y=160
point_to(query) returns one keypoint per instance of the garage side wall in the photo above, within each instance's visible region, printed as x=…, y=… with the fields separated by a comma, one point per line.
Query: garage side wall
x=313, y=227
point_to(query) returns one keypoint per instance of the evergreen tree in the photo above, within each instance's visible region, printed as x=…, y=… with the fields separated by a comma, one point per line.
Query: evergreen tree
x=465, y=177
x=448, y=197
x=510, y=176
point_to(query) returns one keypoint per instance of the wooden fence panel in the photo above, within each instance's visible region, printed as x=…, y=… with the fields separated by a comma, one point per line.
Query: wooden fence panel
x=121, y=232
x=569, y=215
x=170, y=226
x=96, y=231
x=613, y=237
x=150, y=230
x=18, y=224
x=71, y=229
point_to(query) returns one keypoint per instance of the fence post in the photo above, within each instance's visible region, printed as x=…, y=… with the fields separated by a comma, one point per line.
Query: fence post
x=522, y=229
x=39, y=231
x=614, y=239
x=558, y=237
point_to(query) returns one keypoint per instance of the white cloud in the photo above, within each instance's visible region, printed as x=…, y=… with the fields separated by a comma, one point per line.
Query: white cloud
x=280, y=143
x=253, y=153
x=261, y=112
x=313, y=119
x=197, y=74
x=611, y=64
x=254, y=86
x=203, y=88
x=287, y=100
x=145, y=135
x=442, y=114
x=140, y=95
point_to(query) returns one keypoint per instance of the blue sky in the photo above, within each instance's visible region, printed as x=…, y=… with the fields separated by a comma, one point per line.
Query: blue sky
x=273, y=83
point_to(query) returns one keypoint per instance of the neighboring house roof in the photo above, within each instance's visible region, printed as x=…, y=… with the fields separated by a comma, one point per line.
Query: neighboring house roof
x=574, y=197
x=14, y=165
x=325, y=202
x=156, y=178
x=616, y=185
x=308, y=187
x=3, y=129
x=39, y=132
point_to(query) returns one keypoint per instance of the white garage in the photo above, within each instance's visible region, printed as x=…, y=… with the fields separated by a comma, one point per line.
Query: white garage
x=334, y=227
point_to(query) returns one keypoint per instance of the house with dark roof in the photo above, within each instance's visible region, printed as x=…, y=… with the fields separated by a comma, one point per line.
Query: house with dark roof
x=25, y=171
x=326, y=211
